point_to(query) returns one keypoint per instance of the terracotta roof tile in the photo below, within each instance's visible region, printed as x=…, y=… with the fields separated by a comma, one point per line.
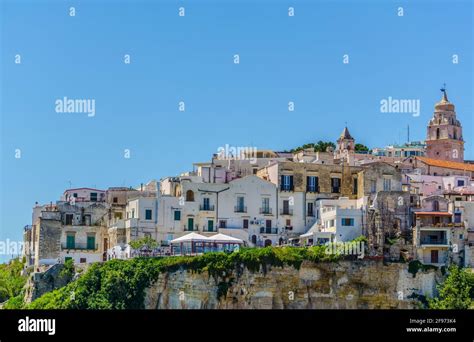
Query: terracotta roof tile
x=447, y=164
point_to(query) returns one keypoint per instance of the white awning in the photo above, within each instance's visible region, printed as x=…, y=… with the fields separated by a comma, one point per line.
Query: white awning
x=224, y=238
x=191, y=237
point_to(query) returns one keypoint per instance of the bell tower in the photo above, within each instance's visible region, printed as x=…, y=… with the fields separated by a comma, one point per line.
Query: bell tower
x=444, y=135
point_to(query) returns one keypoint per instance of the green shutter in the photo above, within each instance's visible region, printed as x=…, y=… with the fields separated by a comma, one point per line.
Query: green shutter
x=210, y=225
x=91, y=242
x=177, y=215
x=190, y=223
x=70, y=242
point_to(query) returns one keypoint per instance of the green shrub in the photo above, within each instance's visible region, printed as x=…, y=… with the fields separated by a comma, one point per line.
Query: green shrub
x=121, y=284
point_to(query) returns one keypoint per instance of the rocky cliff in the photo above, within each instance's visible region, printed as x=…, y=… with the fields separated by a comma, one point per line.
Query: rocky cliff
x=361, y=284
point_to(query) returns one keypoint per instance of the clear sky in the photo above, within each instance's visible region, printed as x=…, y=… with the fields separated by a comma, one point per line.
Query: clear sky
x=191, y=59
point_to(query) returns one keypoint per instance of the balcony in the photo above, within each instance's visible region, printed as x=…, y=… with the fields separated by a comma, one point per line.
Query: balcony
x=80, y=246
x=310, y=214
x=285, y=211
x=206, y=207
x=428, y=241
x=435, y=238
x=191, y=229
x=264, y=230
x=314, y=188
x=240, y=209
x=284, y=187
x=207, y=230
x=266, y=211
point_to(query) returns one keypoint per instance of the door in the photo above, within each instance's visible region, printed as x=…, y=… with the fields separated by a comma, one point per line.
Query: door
x=210, y=225
x=434, y=256
x=190, y=223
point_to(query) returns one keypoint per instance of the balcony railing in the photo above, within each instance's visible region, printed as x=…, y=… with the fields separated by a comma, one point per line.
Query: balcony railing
x=286, y=188
x=428, y=241
x=207, y=230
x=191, y=229
x=264, y=230
x=204, y=207
x=80, y=246
x=266, y=211
x=312, y=188
x=310, y=213
x=240, y=209
x=286, y=212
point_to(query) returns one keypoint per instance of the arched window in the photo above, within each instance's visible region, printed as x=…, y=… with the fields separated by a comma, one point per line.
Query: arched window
x=437, y=133
x=435, y=206
x=455, y=135
x=268, y=242
x=189, y=196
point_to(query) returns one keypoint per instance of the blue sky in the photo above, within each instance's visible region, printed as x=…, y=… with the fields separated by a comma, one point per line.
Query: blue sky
x=190, y=59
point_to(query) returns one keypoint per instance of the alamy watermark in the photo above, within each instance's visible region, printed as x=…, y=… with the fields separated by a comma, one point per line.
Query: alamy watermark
x=9, y=247
x=391, y=105
x=228, y=152
x=79, y=106
x=346, y=248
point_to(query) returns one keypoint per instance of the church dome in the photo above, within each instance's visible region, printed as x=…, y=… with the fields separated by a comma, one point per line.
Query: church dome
x=444, y=105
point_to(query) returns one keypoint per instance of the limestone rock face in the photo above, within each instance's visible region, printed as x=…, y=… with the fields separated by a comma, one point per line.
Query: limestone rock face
x=366, y=284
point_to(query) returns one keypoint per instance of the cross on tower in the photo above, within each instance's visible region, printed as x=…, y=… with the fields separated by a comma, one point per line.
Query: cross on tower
x=444, y=88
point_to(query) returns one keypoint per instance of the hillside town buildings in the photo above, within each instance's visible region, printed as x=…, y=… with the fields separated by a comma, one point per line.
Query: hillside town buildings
x=412, y=201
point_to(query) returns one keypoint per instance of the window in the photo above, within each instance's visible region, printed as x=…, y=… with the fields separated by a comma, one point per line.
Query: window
x=335, y=185
x=387, y=184
x=461, y=236
x=312, y=184
x=177, y=215
x=460, y=182
x=91, y=242
x=74, y=195
x=115, y=200
x=222, y=223
x=347, y=222
x=265, y=205
x=189, y=196
x=206, y=203
x=435, y=206
x=310, y=209
x=133, y=213
x=69, y=218
x=93, y=196
x=82, y=260
x=148, y=214
x=268, y=223
x=288, y=223
x=246, y=223
x=190, y=223
x=286, y=207
x=286, y=183
x=240, y=206
x=373, y=186
x=70, y=241
x=354, y=186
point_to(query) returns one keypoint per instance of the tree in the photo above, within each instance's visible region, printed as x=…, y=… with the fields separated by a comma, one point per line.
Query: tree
x=322, y=146
x=455, y=291
x=361, y=148
x=11, y=280
x=146, y=243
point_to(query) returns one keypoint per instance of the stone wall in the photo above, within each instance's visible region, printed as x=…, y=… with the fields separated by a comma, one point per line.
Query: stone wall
x=367, y=284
